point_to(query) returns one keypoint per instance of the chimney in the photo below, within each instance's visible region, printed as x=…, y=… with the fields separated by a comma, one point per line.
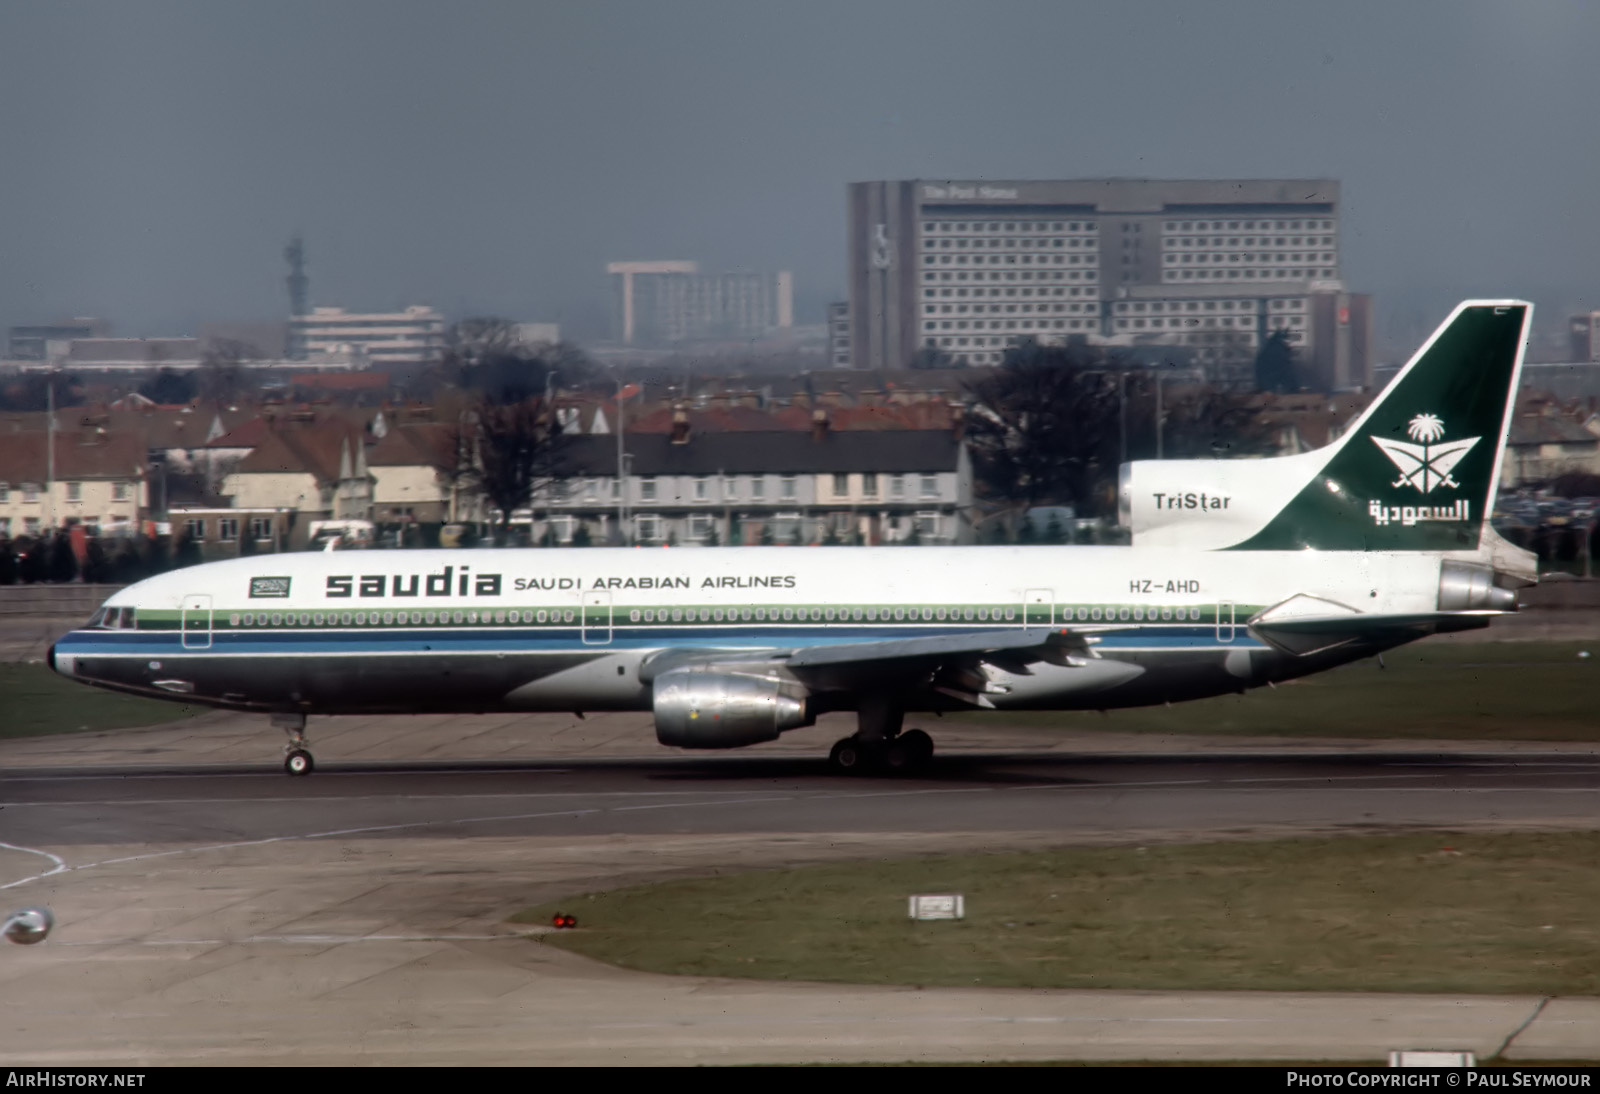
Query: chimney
x=958, y=419
x=819, y=424
x=680, y=425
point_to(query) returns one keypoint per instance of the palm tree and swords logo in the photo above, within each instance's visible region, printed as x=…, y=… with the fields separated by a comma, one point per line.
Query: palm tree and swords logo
x=1425, y=466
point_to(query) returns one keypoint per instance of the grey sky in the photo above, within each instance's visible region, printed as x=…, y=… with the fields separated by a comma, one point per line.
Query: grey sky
x=490, y=157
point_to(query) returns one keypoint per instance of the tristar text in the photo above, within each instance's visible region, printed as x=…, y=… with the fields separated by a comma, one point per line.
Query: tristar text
x=1191, y=501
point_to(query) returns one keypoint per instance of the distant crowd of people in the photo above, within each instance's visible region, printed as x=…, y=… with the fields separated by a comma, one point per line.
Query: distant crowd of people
x=67, y=555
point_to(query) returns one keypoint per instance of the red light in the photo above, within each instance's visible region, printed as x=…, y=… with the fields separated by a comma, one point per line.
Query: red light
x=563, y=922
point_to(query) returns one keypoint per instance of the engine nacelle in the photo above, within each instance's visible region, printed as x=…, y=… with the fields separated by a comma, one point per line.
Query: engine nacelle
x=1464, y=587
x=699, y=709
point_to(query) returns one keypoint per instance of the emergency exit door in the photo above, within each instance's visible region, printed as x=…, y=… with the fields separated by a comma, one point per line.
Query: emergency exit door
x=597, y=617
x=196, y=622
x=1038, y=607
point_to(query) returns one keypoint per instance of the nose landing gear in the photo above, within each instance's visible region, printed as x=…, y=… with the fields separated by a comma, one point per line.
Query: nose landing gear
x=297, y=759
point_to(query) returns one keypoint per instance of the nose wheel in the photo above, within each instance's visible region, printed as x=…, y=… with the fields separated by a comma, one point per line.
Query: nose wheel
x=296, y=756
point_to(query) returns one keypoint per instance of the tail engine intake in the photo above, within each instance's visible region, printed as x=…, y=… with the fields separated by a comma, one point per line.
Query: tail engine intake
x=1464, y=587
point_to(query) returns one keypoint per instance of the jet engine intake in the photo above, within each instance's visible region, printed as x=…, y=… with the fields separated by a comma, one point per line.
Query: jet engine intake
x=699, y=709
x=1464, y=587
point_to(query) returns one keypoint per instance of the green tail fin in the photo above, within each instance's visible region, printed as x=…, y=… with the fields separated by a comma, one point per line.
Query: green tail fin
x=1417, y=472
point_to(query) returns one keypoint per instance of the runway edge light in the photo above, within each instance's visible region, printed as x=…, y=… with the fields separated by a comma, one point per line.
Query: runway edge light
x=938, y=906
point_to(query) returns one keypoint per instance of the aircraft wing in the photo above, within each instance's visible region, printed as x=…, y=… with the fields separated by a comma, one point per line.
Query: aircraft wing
x=944, y=645
x=954, y=664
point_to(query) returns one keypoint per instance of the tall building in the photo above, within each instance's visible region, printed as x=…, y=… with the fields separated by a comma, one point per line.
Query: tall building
x=411, y=337
x=664, y=302
x=1214, y=266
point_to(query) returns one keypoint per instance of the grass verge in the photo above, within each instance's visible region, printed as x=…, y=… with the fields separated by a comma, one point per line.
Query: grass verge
x=1460, y=913
x=35, y=701
x=1534, y=691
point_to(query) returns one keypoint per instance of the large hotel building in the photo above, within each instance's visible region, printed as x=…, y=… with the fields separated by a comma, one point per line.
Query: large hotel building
x=1214, y=266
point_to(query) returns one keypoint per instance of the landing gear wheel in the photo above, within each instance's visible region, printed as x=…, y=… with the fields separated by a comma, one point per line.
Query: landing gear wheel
x=897, y=758
x=847, y=757
x=296, y=758
x=908, y=752
x=919, y=745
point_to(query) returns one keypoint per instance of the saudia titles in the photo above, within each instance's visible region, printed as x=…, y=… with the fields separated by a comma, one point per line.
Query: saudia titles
x=453, y=582
x=1424, y=466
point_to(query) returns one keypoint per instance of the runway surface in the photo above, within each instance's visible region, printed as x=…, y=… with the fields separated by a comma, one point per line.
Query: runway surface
x=218, y=912
x=1101, y=797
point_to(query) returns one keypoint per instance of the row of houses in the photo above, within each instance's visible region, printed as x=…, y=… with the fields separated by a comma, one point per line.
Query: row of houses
x=239, y=481
x=726, y=471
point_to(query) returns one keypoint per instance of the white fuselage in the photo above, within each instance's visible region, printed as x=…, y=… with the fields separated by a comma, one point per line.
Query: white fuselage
x=562, y=629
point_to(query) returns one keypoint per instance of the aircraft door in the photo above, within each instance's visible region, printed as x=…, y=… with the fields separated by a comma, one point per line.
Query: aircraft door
x=1038, y=607
x=597, y=617
x=1225, y=621
x=196, y=622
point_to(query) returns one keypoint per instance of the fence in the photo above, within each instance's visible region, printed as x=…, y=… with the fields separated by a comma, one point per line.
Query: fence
x=69, y=600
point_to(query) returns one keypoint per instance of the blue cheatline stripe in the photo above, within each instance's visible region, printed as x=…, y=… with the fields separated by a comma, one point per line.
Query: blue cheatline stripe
x=569, y=639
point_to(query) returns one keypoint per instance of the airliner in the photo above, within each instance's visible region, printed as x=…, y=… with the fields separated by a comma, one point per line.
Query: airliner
x=1240, y=573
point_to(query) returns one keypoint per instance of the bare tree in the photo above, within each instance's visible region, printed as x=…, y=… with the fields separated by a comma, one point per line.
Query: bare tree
x=223, y=375
x=169, y=387
x=1221, y=424
x=1044, y=429
x=1275, y=364
x=470, y=342
x=487, y=355
x=508, y=453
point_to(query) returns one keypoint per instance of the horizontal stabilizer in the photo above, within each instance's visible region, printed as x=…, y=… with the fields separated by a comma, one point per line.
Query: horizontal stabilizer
x=1303, y=635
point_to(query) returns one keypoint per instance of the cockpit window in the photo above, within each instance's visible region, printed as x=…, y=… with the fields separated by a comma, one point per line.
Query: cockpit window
x=112, y=618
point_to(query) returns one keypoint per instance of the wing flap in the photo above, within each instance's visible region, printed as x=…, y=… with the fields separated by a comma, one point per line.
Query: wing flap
x=1017, y=647
x=943, y=645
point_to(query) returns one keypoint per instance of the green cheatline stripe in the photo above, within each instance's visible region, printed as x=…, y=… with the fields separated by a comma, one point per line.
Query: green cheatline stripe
x=628, y=615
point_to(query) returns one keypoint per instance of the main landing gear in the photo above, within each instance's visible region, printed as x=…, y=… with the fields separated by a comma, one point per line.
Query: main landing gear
x=296, y=756
x=879, y=745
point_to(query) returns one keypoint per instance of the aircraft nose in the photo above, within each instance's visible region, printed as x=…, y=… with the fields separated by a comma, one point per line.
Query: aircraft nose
x=64, y=663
